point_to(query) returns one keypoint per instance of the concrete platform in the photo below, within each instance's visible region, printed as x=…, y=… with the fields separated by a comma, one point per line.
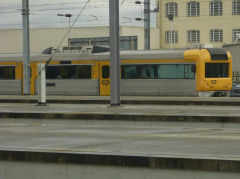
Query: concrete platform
x=146, y=113
x=152, y=100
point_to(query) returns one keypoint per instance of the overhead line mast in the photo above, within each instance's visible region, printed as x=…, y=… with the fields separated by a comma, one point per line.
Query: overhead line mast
x=114, y=52
x=147, y=24
x=146, y=21
x=26, y=48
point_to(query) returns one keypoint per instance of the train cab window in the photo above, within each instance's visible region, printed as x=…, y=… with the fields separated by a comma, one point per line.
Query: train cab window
x=105, y=71
x=7, y=73
x=216, y=70
x=68, y=72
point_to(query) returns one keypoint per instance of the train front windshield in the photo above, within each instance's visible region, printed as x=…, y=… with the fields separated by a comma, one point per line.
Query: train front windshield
x=217, y=70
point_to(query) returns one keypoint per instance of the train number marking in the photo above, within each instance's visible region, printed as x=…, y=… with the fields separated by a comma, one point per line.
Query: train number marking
x=105, y=82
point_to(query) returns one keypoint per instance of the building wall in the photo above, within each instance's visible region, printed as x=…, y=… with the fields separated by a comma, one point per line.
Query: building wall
x=40, y=39
x=234, y=49
x=227, y=22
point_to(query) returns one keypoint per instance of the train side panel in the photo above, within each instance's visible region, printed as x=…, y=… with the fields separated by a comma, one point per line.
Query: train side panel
x=158, y=87
x=163, y=77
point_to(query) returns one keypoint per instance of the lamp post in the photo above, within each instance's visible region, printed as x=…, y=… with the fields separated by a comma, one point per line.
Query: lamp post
x=170, y=18
x=69, y=25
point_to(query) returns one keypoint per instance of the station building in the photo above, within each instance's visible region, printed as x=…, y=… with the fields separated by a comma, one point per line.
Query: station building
x=131, y=38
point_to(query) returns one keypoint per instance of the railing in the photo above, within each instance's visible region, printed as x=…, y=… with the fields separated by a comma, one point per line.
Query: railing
x=236, y=77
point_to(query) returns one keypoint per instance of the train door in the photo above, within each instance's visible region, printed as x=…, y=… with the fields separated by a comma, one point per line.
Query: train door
x=104, y=79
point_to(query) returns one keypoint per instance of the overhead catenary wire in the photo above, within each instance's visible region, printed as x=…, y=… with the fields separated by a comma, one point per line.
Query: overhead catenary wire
x=5, y=11
x=9, y=9
x=50, y=58
x=68, y=3
x=39, y=10
x=104, y=19
x=103, y=2
x=51, y=23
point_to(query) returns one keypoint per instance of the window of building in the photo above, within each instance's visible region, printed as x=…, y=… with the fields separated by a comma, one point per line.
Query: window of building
x=157, y=71
x=126, y=42
x=216, y=8
x=236, y=7
x=171, y=37
x=68, y=72
x=193, y=36
x=216, y=35
x=171, y=8
x=193, y=8
x=236, y=35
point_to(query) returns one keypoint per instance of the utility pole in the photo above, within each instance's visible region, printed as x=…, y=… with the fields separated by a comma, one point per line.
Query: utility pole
x=147, y=24
x=114, y=52
x=26, y=48
x=146, y=20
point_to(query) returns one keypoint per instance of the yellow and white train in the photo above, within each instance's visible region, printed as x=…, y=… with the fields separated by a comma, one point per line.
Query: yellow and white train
x=147, y=73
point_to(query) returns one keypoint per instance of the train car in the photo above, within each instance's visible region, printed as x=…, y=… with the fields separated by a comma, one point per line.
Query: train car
x=143, y=73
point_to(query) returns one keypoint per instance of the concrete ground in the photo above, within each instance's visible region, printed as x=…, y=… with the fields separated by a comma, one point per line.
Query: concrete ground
x=175, y=142
x=66, y=135
x=55, y=133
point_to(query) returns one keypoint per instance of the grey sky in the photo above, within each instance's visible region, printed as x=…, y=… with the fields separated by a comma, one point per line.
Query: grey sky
x=43, y=13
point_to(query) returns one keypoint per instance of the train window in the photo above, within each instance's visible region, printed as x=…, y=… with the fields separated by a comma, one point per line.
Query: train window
x=129, y=72
x=216, y=70
x=189, y=71
x=105, y=71
x=7, y=72
x=68, y=72
x=171, y=71
x=157, y=71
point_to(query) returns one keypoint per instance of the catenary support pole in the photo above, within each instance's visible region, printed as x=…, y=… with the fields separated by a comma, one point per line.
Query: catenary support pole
x=147, y=24
x=26, y=48
x=114, y=52
x=41, y=84
x=69, y=30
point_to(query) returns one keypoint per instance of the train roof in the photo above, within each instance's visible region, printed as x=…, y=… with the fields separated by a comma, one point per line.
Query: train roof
x=124, y=55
